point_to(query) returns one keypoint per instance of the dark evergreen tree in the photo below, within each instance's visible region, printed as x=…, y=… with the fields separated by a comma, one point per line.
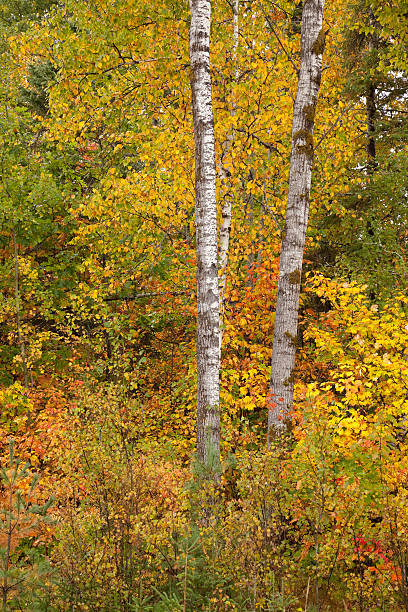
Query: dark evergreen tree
x=368, y=243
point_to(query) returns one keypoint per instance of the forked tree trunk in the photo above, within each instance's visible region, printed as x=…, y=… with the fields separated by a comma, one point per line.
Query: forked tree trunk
x=297, y=212
x=208, y=348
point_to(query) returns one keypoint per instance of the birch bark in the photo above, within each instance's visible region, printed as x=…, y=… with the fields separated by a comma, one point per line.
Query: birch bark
x=226, y=210
x=297, y=212
x=208, y=348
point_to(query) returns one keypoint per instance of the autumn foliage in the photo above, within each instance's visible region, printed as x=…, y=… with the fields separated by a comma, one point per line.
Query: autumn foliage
x=100, y=493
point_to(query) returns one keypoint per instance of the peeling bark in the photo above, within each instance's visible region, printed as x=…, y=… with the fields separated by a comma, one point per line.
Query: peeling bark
x=208, y=349
x=297, y=212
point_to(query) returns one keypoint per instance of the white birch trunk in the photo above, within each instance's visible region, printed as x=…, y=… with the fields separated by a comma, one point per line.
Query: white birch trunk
x=226, y=210
x=297, y=212
x=208, y=349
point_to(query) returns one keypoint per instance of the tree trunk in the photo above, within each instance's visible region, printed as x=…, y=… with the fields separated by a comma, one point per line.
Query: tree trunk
x=208, y=349
x=371, y=112
x=371, y=107
x=226, y=211
x=297, y=212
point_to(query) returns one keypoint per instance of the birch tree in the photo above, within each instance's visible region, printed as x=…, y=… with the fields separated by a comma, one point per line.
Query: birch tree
x=297, y=212
x=208, y=348
x=226, y=210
